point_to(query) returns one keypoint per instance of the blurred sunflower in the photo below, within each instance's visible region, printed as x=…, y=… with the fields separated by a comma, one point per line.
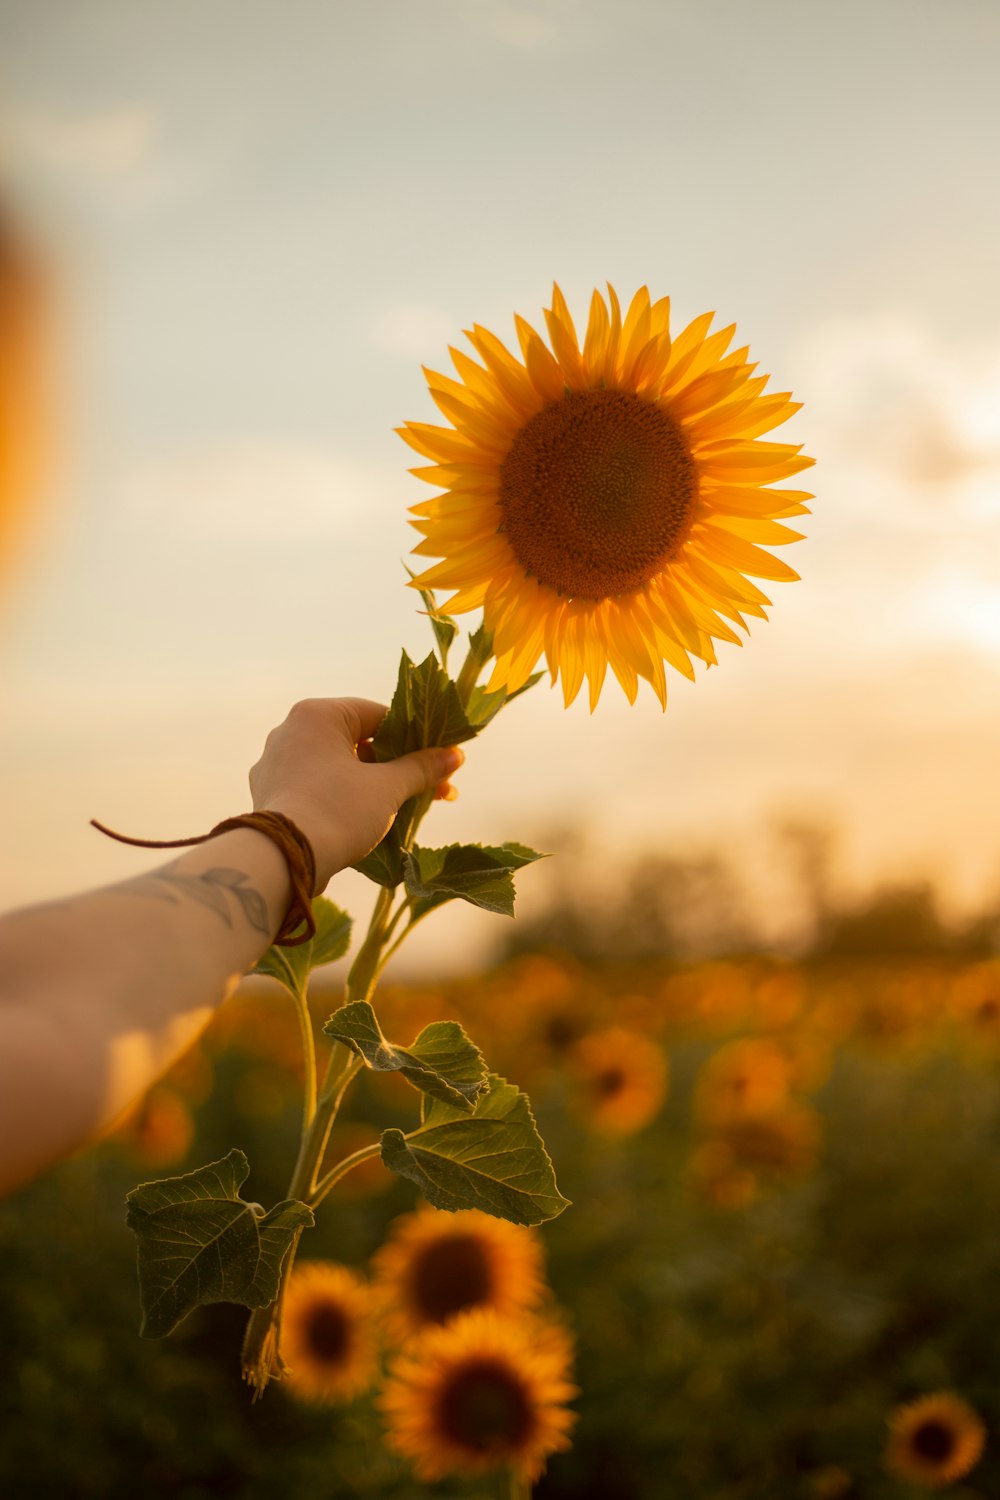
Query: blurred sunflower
x=481, y=1393
x=619, y=1079
x=710, y=997
x=785, y=1142
x=24, y=400
x=605, y=504
x=436, y=1265
x=328, y=1339
x=747, y=1077
x=715, y=1175
x=934, y=1440
x=974, y=1002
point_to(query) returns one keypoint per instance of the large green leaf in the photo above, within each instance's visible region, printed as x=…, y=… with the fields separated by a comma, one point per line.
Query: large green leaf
x=384, y=864
x=425, y=710
x=200, y=1242
x=442, y=1061
x=493, y=1160
x=478, y=873
x=331, y=940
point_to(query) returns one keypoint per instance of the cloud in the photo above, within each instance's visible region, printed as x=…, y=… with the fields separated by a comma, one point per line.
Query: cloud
x=106, y=144
x=906, y=427
x=257, y=489
x=898, y=401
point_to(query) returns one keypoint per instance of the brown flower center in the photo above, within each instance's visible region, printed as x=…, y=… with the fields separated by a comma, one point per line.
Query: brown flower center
x=484, y=1407
x=451, y=1274
x=597, y=493
x=934, y=1441
x=610, y=1081
x=327, y=1333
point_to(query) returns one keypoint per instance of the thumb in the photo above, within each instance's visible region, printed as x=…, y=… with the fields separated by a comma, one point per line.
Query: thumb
x=421, y=770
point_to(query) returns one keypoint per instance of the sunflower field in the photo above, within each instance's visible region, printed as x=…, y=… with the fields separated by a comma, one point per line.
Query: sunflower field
x=776, y=1278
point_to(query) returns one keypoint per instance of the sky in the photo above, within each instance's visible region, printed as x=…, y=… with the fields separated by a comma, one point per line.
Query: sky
x=265, y=218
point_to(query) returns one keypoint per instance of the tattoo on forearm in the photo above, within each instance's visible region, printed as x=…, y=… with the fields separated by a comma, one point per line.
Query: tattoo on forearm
x=211, y=888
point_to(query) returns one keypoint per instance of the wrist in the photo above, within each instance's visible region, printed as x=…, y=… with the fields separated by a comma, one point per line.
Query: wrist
x=322, y=839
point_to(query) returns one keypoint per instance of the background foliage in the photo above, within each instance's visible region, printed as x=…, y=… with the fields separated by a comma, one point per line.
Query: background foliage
x=747, y=1314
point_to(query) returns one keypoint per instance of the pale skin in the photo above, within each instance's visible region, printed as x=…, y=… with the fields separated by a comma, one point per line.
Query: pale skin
x=101, y=993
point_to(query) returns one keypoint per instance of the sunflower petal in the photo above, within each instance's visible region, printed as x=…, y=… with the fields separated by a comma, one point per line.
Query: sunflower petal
x=543, y=369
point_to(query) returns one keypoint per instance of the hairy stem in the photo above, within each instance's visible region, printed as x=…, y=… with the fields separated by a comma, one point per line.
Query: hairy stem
x=366, y=1153
x=261, y=1353
x=308, y=1057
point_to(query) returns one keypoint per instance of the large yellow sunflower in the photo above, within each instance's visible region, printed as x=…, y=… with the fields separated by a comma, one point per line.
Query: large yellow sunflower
x=481, y=1393
x=436, y=1265
x=605, y=504
x=934, y=1440
x=328, y=1337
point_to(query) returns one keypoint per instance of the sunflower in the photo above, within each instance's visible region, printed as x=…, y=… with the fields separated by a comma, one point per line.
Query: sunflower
x=974, y=1001
x=605, y=505
x=620, y=1080
x=328, y=1339
x=482, y=1393
x=717, y=1177
x=23, y=395
x=437, y=1265
x=934, y=1440
x=745, y=1078
x=784, y=1142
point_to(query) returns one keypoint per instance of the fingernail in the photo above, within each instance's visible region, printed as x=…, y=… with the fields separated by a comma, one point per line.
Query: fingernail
x=451, y=759
x=449, y=794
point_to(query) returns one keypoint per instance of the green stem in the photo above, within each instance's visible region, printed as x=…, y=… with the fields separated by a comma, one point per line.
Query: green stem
x=393, y=922
x=261, y=1353
x=518, y=1488
x=361, y=978
x=308, y=1056
x=342, y=1168
x=475, y=660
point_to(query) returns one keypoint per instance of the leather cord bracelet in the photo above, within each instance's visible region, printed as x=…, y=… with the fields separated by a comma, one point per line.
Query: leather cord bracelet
x=294, y=846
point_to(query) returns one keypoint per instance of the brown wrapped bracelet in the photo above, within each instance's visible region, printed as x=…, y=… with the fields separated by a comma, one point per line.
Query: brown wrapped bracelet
x=294, y=846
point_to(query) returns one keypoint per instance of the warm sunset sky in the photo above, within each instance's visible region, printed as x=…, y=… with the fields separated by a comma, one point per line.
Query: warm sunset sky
x=267, y=216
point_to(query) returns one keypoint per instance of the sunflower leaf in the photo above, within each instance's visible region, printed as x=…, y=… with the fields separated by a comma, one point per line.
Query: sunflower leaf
x=200, y=1242
x=384, y=864
x=331, y=940
x=493, y=1160
x=442, y=1062
x=482, y=874
x=443, y=626
x=425, y=710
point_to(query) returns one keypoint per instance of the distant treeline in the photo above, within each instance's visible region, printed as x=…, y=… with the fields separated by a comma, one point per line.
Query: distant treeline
x=659, y=906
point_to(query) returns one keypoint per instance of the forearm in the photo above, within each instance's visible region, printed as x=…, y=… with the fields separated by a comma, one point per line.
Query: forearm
x=109, y=988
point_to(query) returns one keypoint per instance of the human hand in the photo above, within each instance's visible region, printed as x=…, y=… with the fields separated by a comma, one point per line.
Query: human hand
x=317, y=768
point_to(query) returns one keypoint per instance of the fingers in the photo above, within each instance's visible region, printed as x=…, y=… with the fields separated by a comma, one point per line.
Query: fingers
x=354, y=719
x=362, y=716
x=423, y=771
